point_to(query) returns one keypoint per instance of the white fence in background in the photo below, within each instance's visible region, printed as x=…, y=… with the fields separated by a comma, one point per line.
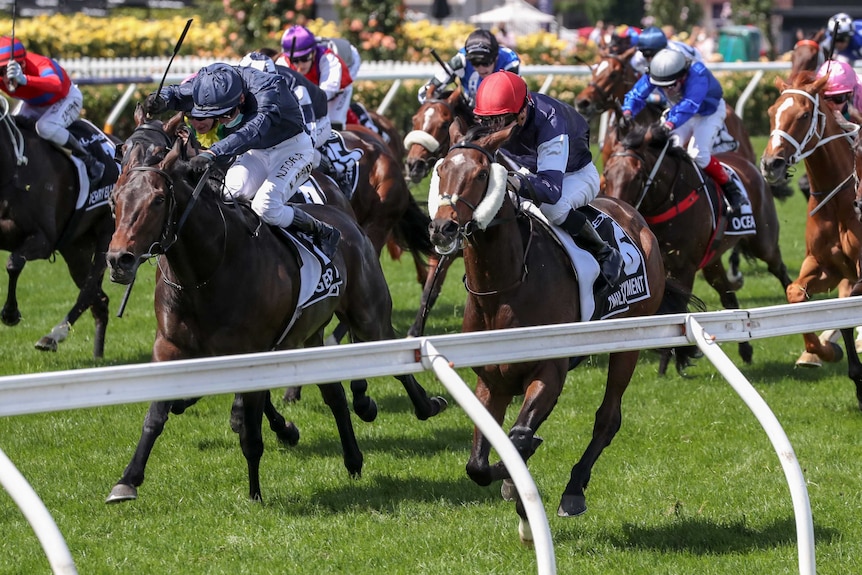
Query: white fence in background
x=46, y=392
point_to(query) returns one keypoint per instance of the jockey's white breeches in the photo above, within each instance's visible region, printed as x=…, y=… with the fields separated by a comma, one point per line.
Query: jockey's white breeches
x=699, y=132
x=52, y=121
x=579, y=189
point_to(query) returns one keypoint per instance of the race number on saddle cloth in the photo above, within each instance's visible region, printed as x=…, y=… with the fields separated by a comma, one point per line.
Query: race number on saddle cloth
x=595, y=301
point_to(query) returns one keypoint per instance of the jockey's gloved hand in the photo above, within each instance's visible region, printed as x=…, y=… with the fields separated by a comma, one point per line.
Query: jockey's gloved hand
x=514, y=179
x=661, y=132
x=520, y=184
x=625, y=121
x=154, y=104
x=14, y=74
x=202, y=161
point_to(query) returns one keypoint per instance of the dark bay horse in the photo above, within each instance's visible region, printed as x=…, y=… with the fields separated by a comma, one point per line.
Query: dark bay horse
x=804, y=128
x=38, y=218
x=204, y=244
x=687, y=216
x=518, y=275
x=425, y=145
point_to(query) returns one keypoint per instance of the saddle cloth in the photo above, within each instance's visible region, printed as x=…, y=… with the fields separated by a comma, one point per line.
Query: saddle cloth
x=98, y=144
x=741, y=224
x=633, y=285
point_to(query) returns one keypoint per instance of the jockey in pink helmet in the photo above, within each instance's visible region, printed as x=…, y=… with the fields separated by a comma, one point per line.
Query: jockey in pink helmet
x=843, y=87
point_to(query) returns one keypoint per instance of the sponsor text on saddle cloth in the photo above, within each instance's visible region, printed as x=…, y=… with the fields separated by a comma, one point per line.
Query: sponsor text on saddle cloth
x=101, y=147
x=633, y=285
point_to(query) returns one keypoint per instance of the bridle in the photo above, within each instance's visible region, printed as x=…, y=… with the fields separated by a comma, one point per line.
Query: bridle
x=627, y=79
x=14, y=133
x=816, y=129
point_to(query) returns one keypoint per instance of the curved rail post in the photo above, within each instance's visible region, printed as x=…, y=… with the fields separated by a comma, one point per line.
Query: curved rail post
x=746, y=94
x=37, y=514
x=792, y=472
x=432, y=359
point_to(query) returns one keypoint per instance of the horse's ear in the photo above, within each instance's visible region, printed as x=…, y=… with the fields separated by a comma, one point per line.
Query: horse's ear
x=140, y=117
x=456, y=95
x=819, y=84
x=456, y=130
x=780, y=83
x=172, y=156
x=171, y=125
x=495, y=140
x=627, y=55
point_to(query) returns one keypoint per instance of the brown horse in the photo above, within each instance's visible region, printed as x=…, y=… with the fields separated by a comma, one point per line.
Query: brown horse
x=426, y=144
x=807, y=55
x=204, y=244
x=804, y=128
x=686, y=213
x=517, y=275
x=38, y=217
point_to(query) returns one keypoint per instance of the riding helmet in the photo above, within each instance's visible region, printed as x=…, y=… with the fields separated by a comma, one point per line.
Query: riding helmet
x=652, y=39
x=216, y=90
x=298, y=41
x=844, y=25
x=258, y=61
x=667, y=67
x=481, y=45
x=501, y=93
x=842, y=78
x=9, y=51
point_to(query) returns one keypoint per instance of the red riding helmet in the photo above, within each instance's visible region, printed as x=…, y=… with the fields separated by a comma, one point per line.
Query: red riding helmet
x=8, y=51
x=501, y=93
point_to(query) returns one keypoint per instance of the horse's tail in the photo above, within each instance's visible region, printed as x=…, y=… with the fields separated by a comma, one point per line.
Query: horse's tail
x=411, y=233
x=679, y=299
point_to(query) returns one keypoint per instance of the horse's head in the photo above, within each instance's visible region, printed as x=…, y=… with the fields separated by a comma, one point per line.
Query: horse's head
x=628, y=167
x=612, y=77
x=798, y=120
x=144, y=206
x=468, y=187
x=429, y=138
x=806, y=57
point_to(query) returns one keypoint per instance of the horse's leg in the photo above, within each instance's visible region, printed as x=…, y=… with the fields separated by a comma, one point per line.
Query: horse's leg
x=251, y=438
x=430, y=293
x=335, y=398
x=734, y=274
x=10, y=314
x=293, y=393
x=716, y=277
x=813, y=279
x=828, y=337
x=478, y=468
x=621, y=366
x=287, y=432
x=133, y=476
x=854, y=366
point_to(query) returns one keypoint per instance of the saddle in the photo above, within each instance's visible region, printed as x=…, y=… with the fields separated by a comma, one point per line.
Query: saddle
x=104, y=149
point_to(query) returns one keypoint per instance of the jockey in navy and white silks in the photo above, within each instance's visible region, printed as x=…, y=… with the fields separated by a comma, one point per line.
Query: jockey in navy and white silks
x=481, y=55
x=552, y=144
x=848, y=40
x=264, y=130
x=651, y=40
x=697, y=111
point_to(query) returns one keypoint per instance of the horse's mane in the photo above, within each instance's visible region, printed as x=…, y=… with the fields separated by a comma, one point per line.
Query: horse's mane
x=637, y=138
x=476, y=132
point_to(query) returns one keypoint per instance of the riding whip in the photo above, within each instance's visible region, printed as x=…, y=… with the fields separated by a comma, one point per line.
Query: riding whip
x=176, y=50
x=11, y=84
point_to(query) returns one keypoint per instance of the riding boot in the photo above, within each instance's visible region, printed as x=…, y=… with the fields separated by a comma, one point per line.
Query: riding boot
x=95, y=168
x=731, y=191
x=322, y=233
x=586, y=237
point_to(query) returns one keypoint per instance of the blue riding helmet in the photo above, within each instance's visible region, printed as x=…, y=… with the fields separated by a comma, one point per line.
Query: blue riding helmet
x=217, y=89
x=652, y=40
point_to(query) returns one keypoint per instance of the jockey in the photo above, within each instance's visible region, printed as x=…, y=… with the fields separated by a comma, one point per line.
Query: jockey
x=329, y=156
x=696, y=114
x=266, y=132
x=843, y=89
x=651, y=40
x=480, y=56
x=848, y=39
x=323, y=67
x=623, y=38
x=48, y=95
x=553, y=143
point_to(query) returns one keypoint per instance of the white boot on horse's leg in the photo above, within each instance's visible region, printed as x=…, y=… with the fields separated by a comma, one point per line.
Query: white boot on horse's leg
x=859, y=339
x=812, y=360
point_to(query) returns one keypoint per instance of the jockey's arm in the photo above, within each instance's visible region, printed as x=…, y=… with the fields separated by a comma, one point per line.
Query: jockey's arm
x=330, y=76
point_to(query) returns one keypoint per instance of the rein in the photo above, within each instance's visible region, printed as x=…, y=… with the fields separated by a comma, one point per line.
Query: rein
x=14, y=132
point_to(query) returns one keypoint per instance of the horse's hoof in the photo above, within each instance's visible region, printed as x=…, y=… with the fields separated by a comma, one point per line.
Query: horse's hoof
x=289, y=436
x=508, y=490
x=10, y=319
x=572, y=506
x=839, y=352
x=736, y=281
x=808, y=360
x=524, y=531
x=291, y=394
x=46, y=344
x=368, y=412
x=122, y=492
x=441, y=404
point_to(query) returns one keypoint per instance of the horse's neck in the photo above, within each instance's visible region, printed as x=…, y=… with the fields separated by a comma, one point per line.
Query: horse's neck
x=494, y=258
x=832, y=164
x=201, y=244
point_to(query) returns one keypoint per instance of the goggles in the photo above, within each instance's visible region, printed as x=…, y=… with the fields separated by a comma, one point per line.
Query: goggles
x=302, y=59
x=482, y=61
x=838, y=98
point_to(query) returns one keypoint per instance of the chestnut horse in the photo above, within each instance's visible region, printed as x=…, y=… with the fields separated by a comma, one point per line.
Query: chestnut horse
x=517, y=275
x=38, y=217
x=204, y=244
x=804, y=128
x=686, y=213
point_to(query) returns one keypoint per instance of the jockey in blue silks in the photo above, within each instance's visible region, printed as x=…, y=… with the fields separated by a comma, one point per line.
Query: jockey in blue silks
x=481, y=55
x=848, y=38
x=696, y=114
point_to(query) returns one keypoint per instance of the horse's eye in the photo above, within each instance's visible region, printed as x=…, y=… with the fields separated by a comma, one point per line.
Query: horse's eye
x=159, y=200
x=483, y=175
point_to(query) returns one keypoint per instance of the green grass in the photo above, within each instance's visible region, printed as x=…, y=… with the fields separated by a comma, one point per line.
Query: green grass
x=690, y=485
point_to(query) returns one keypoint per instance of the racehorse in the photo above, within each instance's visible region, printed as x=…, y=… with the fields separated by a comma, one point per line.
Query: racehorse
x=613, y=76
x=204, y=244
x=517, y=275
x=807, y=55
x=686, y=214
x=425, y=145
x=804, y=128
x=39, y=217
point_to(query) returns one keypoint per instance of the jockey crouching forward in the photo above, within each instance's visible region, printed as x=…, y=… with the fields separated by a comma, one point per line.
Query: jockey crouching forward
x=552, y=142
x=265, y=130
x=48, y=96
x=696, y=114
